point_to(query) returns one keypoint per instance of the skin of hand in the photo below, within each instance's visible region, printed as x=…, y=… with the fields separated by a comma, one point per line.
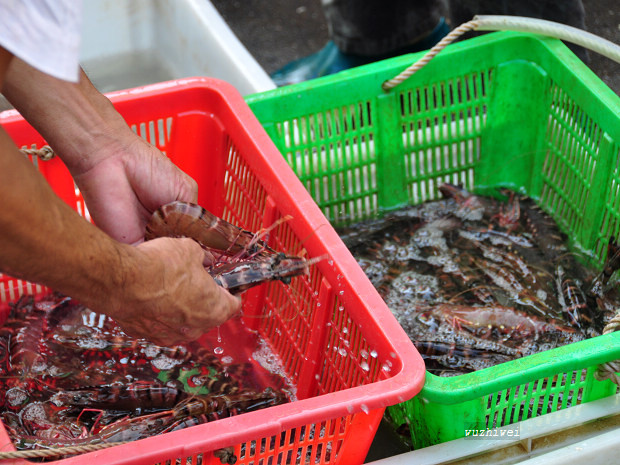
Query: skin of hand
x=157, y=290
x=122, y=178
x=178, y=265
x=124, y=188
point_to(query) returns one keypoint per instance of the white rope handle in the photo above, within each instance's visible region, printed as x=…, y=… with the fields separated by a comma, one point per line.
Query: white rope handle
x=57, y=451
x=226, y=455
x=611, y=369
x=45, y=153
x=513, y=23
x=552, y=29
x=438, y=47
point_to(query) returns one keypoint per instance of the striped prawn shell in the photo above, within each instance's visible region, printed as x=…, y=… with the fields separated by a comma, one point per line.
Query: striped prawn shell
x=237, y=259
x=184, y=219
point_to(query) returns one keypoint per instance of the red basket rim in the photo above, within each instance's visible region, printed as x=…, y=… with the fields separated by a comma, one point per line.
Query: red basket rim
x=406, y=378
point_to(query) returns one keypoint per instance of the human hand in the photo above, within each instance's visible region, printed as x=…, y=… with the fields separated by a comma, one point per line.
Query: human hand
x=122, y=177
x=167, y=296
x=126, y=183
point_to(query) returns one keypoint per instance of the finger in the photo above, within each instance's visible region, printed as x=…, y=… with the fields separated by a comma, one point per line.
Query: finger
x=189, y=189
x=191, y=334
x=232, y=303
x=208, y=259
x=193, y=190
x=236, y=303
x=167, y=338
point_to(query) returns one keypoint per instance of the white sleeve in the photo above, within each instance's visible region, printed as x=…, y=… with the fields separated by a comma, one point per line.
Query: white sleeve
x=44, y=33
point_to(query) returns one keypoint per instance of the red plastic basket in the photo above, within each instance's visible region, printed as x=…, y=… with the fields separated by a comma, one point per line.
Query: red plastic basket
x=207, y=129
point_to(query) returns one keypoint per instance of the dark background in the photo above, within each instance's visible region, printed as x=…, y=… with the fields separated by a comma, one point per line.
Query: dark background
x=278, y=31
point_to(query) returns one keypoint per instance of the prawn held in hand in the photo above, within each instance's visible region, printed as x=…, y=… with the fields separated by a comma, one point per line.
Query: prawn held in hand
x=236, y=259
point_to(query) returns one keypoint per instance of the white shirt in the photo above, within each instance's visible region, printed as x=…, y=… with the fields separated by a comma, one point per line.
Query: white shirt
x=44, y=33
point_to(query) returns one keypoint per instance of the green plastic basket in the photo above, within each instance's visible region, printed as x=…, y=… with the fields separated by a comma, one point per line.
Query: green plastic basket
x=504, y=109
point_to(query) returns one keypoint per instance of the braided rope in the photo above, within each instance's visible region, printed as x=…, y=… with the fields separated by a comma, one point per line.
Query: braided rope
x=45, y=153
x=610, y=370
x=447, y=40
x=607, y=370
x=57, y=451
x=613, y=325
x=226, y=455
x=514, y=23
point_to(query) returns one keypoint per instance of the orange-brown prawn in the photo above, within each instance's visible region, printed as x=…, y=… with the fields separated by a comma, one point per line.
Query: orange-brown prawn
x=236, y=259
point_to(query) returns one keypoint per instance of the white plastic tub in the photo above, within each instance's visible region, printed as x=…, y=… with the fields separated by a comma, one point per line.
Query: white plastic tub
x=586, y=433
x=129, y=43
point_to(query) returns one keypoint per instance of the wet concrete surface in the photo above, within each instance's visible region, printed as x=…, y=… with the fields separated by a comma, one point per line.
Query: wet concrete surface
x=278, y=31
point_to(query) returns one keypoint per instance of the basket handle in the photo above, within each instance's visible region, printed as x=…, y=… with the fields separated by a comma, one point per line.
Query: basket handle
x=514, y=23
x=610, y=370
x=45, y=153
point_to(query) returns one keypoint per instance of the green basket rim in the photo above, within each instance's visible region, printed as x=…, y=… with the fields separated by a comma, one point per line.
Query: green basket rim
x=564, y=359
x=598, y=101
x=602, y=101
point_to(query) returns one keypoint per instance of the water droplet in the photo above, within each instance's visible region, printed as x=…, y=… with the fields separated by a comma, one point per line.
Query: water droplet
x=330, y=262
x=342, y=352
x=373, y=353
x=318, y=304
x=341, y=308
x=227, y=359
x=345, y=330
x=364, y=366
x=341, y=292
x=162, y=362
x=350, y=408
x=363, y=353
x=218, y=350
x=16, y=396
x=365, y=408
x=317, y=377
x=386, y=368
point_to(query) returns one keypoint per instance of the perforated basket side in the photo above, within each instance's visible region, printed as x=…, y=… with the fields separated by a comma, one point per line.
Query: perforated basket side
x=580, y=175
x=505, y=109
x=320, y=326
x=507, y=393
x=552, y=132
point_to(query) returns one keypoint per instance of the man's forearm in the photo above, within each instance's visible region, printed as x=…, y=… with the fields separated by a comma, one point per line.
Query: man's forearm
x=158, y=289
x=74, y=118
x=45, y=241
x=41, y=238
